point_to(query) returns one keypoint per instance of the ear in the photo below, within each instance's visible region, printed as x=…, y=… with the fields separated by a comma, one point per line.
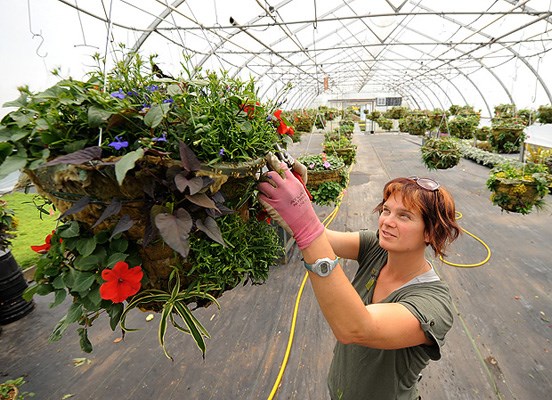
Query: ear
x=426, y=238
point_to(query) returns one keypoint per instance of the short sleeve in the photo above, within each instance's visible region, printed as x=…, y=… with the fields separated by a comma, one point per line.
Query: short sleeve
x=369, y=247
x=431, y=304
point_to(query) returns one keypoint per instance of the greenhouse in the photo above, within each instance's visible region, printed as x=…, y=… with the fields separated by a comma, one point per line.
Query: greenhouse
x=254, y=199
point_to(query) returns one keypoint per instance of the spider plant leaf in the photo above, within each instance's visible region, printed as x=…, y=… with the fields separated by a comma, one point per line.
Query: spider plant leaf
x=178, y=326
x=167, y=309
x=197, y=323
x=142, y=298
x=190, y=321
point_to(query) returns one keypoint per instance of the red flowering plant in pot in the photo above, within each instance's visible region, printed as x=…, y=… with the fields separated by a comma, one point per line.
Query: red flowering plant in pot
x=154, y=179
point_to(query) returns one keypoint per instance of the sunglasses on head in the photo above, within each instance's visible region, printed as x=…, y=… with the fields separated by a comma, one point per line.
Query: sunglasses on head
x=426, y=183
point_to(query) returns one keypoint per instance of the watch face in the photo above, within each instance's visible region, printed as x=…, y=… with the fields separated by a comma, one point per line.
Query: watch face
x=324, y=267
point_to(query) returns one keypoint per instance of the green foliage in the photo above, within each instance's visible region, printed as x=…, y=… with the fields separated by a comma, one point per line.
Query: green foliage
x=8, y=225
x=518, y=187
x=463, y=126
x=441, y=153
x=482, y=133
x=396, y=113
x=416, y=124
x=321, y=162
x=505, y=110
x=506, y=134
x=174, y=304
x=35, y=220
x=327, y=193
x=165, y=151
x=544, y=114
x=219, y=117
x=385, y=123
x=374, y=115
x=342, y=147
x=7, y=386
x=303, y=120
x=238, y=261
x=528, y=116
x=480, y=156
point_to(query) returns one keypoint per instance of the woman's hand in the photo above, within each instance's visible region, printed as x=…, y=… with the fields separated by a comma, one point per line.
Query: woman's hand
x=285, y=199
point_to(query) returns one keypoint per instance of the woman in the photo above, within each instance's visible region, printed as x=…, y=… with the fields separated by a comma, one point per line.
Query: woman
x=393, y=318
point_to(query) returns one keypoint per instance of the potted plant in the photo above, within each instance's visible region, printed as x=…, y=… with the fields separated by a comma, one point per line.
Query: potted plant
x=327, y=177
x=396, y=112
x=463, y=126
x=518, y=187
x=417, y=123
x=341, y=146
x=441, y=152
x=385, y=123
x=506, y=134
x=145, y=172
x=9, y=390
x=544, y=114
x=12, y=282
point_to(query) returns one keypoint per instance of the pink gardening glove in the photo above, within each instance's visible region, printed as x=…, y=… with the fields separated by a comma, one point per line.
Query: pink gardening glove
x=287, y=197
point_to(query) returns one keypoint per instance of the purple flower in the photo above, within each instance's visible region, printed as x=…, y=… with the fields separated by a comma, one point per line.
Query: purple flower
x=311, y=165
x=327, y=164
x=132, y=93
x=119, y=94
x=118, y=144
x=221, y=152
x=163, y=138
x=169, y=100
x=152, y=88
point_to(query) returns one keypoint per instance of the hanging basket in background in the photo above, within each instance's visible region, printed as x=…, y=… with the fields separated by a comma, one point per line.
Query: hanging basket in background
x=441, y=153
x=518, y=187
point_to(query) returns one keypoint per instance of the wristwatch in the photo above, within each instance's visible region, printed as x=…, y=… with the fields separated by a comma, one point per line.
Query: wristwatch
x=322, y=266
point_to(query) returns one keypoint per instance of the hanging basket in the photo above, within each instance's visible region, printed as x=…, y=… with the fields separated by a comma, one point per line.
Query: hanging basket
x=347, y=154
x=12, y=393
x=442, y=159
x=65, y=184
x=516, y=195
x=316, y=178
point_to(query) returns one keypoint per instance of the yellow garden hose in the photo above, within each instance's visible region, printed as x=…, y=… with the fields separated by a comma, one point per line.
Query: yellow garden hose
x=459, y=215
x=327, y=221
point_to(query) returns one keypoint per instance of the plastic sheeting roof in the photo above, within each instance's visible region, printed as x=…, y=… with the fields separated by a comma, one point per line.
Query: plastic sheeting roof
x=429, y=52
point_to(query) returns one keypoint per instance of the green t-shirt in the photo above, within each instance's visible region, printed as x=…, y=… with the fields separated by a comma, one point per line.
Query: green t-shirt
x=360, y=372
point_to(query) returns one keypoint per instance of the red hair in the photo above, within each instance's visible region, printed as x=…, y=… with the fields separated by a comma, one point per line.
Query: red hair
x=437, y=209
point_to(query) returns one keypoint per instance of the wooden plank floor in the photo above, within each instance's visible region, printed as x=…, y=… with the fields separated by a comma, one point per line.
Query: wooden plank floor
x=498, y=348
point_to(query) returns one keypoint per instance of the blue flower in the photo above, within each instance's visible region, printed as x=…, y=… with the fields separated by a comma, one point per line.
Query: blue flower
x=221, y=151
x=118, y=145
x=163, y=138
x=169, y=100
x=119, y=94
x=132, y=93
x=152, y=88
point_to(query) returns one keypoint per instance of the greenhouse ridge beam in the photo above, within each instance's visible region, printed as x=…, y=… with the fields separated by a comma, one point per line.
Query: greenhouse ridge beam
x=357, y=17
x=493, y=40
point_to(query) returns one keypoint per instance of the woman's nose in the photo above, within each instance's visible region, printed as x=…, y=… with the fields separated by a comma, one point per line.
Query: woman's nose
x=388, y=220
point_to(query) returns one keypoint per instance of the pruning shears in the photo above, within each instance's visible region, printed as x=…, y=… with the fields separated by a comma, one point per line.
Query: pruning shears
x=286, y=158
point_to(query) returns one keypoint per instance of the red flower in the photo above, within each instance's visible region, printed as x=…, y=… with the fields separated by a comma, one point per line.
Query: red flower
x=263, y=216
x=121, y=282
x=282, y=128
x=44, y=248
x=249, y=109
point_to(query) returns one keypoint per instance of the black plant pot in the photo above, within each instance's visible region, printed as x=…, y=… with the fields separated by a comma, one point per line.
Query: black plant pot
x=12, y=286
